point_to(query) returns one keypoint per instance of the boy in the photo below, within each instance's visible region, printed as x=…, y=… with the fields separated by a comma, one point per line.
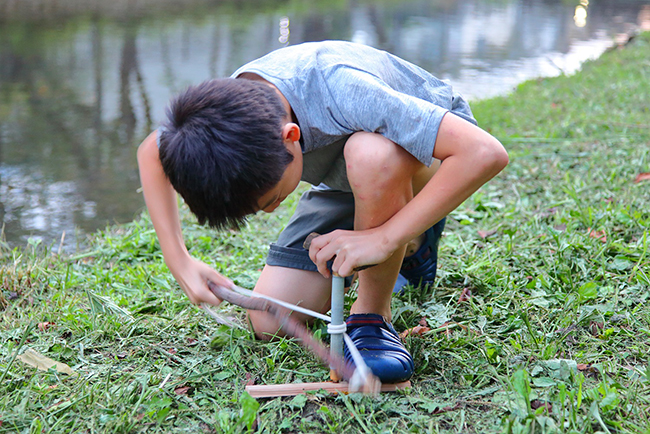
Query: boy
x=363, y=126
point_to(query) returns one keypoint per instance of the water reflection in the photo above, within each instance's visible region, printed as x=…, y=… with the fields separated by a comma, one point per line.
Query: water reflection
x=81, y=82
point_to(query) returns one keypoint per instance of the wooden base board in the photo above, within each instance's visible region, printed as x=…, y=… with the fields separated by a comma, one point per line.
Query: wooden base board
x=274, y=390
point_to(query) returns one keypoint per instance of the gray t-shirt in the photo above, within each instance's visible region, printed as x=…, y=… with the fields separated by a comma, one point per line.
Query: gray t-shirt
x=337, y=88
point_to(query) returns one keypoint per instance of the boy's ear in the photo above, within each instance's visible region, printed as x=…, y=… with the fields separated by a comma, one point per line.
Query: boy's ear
x=291, y=132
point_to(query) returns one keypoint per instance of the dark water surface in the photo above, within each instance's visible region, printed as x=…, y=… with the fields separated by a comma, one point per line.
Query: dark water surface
x=82, y=82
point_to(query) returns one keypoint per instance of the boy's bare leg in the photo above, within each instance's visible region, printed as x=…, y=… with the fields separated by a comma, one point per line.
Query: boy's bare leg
x=420, y=179
x=379, y=194
x=308, y=289
x=381, y=176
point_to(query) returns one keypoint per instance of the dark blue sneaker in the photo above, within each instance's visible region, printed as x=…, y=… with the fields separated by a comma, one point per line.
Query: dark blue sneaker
x=420, y=267
x=380, y=346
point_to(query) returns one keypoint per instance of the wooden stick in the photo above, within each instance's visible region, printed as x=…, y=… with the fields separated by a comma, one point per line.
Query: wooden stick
x=275, y=390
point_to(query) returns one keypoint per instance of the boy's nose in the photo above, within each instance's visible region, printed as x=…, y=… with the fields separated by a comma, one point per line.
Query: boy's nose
x=273, y=206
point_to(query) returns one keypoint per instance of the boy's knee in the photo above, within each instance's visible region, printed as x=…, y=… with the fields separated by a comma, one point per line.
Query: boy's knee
x=267, y=327
x=264, y=325
x=371, y=158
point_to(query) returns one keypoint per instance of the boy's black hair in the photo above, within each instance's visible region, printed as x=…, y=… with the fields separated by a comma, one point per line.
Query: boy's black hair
x=222, y=148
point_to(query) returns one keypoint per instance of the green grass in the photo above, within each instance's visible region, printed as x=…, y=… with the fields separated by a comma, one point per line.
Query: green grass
x=555, y=337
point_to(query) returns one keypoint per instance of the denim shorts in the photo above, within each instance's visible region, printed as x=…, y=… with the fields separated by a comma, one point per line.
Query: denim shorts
x=320, y=210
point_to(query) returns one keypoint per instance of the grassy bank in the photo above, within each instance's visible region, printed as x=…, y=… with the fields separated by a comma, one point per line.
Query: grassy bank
x=551, y=334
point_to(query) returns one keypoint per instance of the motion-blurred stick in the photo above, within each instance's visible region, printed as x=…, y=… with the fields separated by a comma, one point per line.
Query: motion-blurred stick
x=369, y=383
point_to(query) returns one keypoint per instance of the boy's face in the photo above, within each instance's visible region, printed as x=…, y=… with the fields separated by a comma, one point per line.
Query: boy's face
x=290, y=179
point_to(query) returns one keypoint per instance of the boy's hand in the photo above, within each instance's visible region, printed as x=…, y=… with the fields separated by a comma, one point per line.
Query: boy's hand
x=351, y=250
x=193, y=276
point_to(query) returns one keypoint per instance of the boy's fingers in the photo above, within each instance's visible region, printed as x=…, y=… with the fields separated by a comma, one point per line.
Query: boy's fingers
x=207, y=295
x=321, y=262
x=213, y=299
x=344, y=266
x=322, y=250
x=322, y=255
x=337, y=263
x=313, y=252
x=321, y=266
x=204, y=295
x=324, y=271
x=319, y=248
x=344, y=270
x=221, y=281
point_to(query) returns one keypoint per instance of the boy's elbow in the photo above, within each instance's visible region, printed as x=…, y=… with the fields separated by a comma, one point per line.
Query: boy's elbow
x=501, y=159
x=491, y=157
x=496, y=156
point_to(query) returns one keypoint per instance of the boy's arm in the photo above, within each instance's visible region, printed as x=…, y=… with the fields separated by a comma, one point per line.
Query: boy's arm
x=161, y=200
x=470, y=157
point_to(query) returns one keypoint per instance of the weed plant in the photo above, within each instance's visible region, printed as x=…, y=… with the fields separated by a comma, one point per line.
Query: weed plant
x=539, y=320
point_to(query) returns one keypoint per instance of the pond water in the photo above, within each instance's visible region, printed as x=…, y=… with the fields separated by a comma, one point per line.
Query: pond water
x=83, y=82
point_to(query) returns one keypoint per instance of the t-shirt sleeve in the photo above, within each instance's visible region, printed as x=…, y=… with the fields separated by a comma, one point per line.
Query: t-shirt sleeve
x=364, y=102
